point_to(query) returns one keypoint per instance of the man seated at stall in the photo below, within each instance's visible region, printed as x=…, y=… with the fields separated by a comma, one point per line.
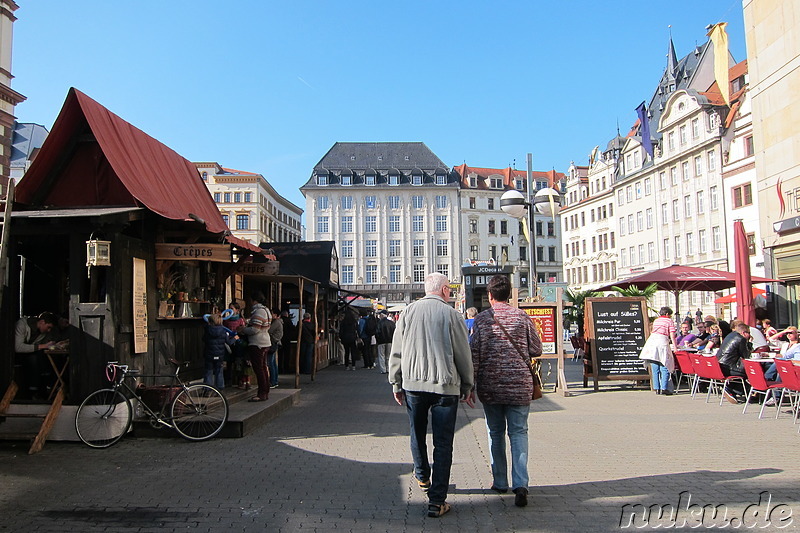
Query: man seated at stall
x=30, y=340
x=734, y=348
x=758, y=341
x=685, y=337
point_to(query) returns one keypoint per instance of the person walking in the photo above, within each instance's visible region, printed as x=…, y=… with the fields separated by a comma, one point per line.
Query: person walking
x=257, y=333
x=503, y=341
x=348, y=334
x=275, y=337
x=308, y=339
x=383, y=337
x=430, y=367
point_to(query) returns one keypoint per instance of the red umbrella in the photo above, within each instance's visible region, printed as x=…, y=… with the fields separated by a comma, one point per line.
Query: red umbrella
x=732, y=297
x=677, y=279
x=744, y=306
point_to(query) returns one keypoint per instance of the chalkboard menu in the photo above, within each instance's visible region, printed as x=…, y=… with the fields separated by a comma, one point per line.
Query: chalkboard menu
x=617, y=330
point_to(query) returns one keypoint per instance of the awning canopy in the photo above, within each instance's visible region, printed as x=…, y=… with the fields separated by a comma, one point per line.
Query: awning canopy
x=93, y=158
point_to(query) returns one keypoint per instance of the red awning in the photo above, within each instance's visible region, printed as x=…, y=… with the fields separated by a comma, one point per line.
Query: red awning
x=124, y=167
x=241, y=243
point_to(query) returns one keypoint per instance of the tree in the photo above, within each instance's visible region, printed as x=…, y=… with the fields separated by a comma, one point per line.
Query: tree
x=574, y=313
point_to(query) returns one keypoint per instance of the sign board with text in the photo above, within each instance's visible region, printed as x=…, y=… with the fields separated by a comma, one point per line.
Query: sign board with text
x=547, y=319
x=139, y=305
x=220, y=253
x=617, y=329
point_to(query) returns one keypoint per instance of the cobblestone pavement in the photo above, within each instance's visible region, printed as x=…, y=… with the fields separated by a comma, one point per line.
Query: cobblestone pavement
x=339, y=460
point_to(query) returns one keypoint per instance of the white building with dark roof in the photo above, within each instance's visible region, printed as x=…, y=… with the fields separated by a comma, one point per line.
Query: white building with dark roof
x=392, y=210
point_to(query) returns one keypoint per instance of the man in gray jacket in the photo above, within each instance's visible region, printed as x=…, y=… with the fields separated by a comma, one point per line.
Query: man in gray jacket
x=430, y=367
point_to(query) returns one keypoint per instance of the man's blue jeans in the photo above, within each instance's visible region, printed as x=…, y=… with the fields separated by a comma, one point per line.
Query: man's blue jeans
x=443, y=410
x=514, y=418
x=272, y=363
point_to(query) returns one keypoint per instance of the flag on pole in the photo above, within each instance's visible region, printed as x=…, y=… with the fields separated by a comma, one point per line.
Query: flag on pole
x=719, y=37
x=644, y=129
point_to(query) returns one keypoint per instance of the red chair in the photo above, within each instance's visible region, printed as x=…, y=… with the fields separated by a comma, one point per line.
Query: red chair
x=791, y=385
x=687, y=371
x=708, y=369
x=759, y=384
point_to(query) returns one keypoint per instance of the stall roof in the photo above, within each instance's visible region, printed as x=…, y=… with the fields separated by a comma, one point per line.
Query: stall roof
x=316, y=260
x=94, y=158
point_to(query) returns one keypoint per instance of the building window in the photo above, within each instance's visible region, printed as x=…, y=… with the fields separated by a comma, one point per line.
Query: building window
x=648, y=215
x=347, y=224
x=751, y=243
x=695, y=128
x=712, y=198
x=490, y=204
x=347, y=179
x=322, y=225
x=473, y=252
x=629, y=193
x=673, y=176
x=441, y=179
x=394, y=274
x=685, y=170
x=227, y=197
x=417, y=223
x=473, y=182
x=690, y=244
x=347, y=275
x=347, y=202
x=641, y=254
x=347, y=248
x=503, y=227
x=370, y=224
x=371, y=248
x=540, y=227
x=394, y=224
x=662, y=180
x=620, y=197
x=394, y=202
x=742, y=195
x=322, y=179
x=716, y=241
x=416, y=179
x=225, y=219
x=441, y=201
x=322, y=202
x=676, y=215
x=639, y=221
x=682, y=133
x=243, y=221
x=495, y=183
x=551, y=253
x=394, y=248
x=369, y=180
x=711, y=159
x=418, y=248
x=394, y=179
x=473, y=225
x=441, y=248
x=687, y=206
x=370, y=202
x=677, y=246
x=667, y=256
x=417, y=202
x=419, y=273
x=519, y=184
x=651, y=252
x=472, y=202
x=671, y=141
x=748, y=146
x=541, y=184
x=371, y=274
x=648, y=186
x=217, y=197
x=441, y=223
x=698, y=166
x=551, y=229
x=523, y=253
x=630, y=224
x=701, y=239
x=237, y=197
x=622, y=226
x=491, y=227
x=638, y=190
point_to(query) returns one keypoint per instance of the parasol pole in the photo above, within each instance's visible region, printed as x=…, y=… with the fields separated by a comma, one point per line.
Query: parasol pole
x=677, y=301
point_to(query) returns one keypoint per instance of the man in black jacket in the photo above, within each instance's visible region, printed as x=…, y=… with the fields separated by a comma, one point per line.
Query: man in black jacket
x=384, y=339
x=734, y=348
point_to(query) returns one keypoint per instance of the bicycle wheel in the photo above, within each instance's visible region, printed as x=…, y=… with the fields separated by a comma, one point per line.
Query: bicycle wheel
x=103, y=418
x=199, y=412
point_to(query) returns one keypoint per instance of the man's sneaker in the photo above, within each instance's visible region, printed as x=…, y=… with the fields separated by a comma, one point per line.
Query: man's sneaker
x=730, y=397
x=521, y=498
x=424, y=485
x=771, y=402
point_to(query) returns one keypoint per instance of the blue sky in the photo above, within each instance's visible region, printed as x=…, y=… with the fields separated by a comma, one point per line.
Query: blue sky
x=268, y=86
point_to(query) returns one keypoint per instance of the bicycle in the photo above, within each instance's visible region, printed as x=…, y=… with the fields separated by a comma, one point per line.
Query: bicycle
x=197, y=412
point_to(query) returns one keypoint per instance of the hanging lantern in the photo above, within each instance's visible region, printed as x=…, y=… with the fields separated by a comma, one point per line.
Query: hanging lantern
x=98, y=253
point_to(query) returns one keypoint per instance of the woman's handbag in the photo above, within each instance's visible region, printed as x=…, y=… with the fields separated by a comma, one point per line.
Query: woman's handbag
x=532, y=364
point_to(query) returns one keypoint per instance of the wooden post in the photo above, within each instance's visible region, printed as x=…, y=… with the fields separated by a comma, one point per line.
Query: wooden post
x=316, y=329
x=299, y=336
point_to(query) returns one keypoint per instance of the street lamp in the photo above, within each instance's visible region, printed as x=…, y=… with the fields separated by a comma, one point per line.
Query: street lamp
x=547, y=201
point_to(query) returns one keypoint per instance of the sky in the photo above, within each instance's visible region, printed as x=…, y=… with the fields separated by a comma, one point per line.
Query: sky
x=269, y=87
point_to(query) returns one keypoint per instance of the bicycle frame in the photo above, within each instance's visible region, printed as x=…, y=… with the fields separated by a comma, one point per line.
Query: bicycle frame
x=160, y=416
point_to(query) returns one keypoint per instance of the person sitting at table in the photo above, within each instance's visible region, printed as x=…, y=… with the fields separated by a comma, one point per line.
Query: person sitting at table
x=790, y=350
x=758, y=341
x=735, y=347
x=686, y=336
x=701, y=338
x=30, y=339
x=714, y=340
x=767, y=329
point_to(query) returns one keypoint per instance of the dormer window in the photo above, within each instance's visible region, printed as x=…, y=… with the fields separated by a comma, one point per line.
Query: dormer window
x=495, y=183
x=541, y=184
x=519, y=184
x=322, y=179
x=205, y=176
x=347, y=179
x=416, y=179
x=441, y=179
x=394, y=179
x=369, y=179
x=473, y=182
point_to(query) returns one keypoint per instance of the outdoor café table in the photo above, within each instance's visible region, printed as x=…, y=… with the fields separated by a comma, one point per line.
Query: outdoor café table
x=59, y=367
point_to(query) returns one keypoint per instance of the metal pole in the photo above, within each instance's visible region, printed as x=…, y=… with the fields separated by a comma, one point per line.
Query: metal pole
x=532, y=277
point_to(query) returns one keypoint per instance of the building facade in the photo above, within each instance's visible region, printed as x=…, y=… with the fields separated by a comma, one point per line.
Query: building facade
x=393, y=211
x=250, y=206
x=492, y=236
x=25, y=144
x=9, y=98
x=772, y=34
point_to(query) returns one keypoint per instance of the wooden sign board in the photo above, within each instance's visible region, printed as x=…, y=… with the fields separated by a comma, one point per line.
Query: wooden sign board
x=617, y=329
x=220, y=253
x=139, y=305
x=269, y=268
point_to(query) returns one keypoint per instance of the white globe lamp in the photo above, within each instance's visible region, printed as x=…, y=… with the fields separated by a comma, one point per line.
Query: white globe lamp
x=547, y=201
x=513, y=204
